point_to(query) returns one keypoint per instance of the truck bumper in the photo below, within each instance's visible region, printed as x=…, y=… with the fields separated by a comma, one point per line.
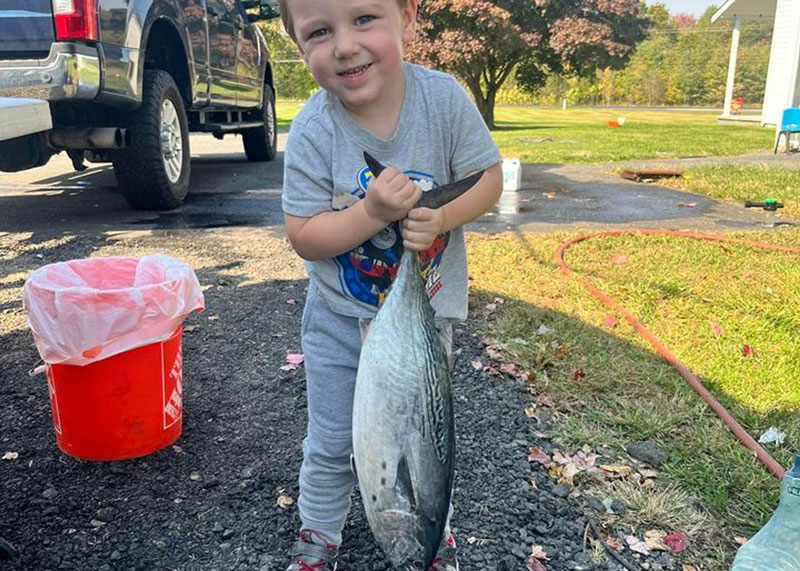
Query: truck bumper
x=70, y=71
x=20, y=117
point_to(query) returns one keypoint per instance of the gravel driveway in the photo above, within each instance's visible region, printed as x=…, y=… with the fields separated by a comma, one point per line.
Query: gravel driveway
x=210, y=502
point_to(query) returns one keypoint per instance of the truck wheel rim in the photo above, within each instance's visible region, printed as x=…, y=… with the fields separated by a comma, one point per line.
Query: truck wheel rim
x=171, y=141
x=271, y=124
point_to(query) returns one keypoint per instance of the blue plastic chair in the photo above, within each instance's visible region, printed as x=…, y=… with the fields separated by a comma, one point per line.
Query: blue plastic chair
x=790, y=124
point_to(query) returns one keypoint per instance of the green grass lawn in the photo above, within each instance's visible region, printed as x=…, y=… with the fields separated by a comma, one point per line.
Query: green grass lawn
x=704, y=301
x=551, y=135
x=583, y=136
x=738, y=184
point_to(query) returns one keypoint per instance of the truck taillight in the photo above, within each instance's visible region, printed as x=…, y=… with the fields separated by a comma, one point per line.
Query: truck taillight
x=75, y=19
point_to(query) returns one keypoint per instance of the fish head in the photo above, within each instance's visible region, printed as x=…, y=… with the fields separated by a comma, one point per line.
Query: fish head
x=406, y=540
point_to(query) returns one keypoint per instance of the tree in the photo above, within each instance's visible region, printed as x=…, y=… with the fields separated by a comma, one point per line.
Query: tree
x=483, y=42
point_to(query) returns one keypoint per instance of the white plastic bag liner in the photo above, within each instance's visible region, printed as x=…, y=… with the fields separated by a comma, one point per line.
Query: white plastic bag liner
x=87, y=310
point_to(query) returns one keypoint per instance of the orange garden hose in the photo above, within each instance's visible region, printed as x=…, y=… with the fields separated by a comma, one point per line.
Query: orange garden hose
x=763, y=456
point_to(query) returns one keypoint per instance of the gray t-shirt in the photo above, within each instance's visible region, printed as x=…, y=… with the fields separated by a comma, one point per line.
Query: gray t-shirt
x=440, y=138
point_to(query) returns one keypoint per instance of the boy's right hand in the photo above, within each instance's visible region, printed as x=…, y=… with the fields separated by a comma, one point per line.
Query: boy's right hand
x=390, y=196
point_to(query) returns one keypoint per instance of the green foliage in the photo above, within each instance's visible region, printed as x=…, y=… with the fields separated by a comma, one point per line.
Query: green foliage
x=681, y=62
x=292, y=78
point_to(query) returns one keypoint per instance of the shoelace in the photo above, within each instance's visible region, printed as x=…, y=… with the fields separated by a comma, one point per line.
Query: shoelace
x=311, y=567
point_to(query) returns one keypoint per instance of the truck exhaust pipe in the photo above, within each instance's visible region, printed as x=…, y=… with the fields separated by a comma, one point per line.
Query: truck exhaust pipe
x=87, y=139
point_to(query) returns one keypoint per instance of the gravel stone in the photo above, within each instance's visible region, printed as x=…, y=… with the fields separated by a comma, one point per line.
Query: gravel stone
x=647, y=452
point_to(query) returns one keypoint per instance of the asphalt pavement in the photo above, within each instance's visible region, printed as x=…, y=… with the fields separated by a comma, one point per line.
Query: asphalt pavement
x=229, y=191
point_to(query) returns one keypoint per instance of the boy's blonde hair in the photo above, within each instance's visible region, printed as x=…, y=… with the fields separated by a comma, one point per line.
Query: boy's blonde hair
x=286, y=17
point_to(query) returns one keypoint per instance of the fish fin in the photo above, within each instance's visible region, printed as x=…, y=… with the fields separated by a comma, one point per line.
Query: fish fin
x=374, y=166
x=403, y=483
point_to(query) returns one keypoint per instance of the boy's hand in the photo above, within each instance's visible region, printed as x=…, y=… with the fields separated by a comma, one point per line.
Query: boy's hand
x=391, y=195
x=422, y=227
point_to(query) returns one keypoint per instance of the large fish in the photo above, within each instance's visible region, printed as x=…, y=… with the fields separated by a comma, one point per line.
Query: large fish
x=403, y=429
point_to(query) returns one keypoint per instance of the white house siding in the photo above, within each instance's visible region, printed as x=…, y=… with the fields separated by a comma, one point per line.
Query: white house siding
x=783, y=87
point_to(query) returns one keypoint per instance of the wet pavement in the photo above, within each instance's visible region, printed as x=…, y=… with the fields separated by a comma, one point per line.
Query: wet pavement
x=229, y=191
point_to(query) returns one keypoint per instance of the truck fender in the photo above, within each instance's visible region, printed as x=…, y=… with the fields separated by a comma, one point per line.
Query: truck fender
x=168, y=13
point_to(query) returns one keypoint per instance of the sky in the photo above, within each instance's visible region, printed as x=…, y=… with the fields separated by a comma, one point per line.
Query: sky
x=686, y=6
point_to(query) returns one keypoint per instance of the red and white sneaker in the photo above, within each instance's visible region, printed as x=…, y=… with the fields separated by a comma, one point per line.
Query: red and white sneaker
x=311, y=552
x=446, y=556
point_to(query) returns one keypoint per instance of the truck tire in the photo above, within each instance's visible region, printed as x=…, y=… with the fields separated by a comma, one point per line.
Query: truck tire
x=154, y=170
x=261, y=143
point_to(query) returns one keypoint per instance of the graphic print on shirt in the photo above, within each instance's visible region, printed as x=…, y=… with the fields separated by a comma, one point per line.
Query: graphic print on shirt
x=366, y=272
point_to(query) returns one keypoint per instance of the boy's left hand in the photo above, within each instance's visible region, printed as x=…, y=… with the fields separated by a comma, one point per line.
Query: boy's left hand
x=421, y=228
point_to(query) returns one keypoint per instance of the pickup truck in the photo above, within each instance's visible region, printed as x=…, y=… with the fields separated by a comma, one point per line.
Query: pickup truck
x=126, y=81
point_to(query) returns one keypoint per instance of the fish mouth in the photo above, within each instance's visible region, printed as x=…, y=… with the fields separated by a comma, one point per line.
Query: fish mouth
x=355, y=71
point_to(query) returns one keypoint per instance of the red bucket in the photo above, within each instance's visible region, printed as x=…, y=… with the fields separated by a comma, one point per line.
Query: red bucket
x=125, y=406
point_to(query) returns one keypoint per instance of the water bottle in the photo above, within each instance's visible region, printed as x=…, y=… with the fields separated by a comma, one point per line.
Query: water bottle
x=776, y=547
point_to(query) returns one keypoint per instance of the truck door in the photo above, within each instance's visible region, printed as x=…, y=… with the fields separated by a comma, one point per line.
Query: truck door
x=195, y=21
x=248, y=62
x=222, y=35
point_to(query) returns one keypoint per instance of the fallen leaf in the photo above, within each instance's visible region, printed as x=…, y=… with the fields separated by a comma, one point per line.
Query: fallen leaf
x=619, y=258
x=654, y=538
x=509, y=368
x=637, y=545
x=676, y=541
x=688, y=567
x=739, y=539
x=549, y=194
x=717, y=329
x=490, y=307
x=213, y=317
x=577, y=374
x=284, y=500
x=538, y=552
x=610, y=321
x=189, y=328
x=477, y=365
x=530, y=411
x=291, y=301
x=494, y=351
x=687, y=204
x=569, y=472
x=561, y=350
x=294, y=358
x=534, y=564
x=620, y=469
x=543, y=330
x=648, y=473
x=747, y=351
x=536, y=454
x=10, y=455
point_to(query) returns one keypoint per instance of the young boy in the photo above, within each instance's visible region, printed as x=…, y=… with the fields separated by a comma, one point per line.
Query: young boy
x=343, y=221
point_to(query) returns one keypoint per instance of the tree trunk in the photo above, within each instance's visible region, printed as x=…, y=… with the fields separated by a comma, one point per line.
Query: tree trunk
x=484, y=102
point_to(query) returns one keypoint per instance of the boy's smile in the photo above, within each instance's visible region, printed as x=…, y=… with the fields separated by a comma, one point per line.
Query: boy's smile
x=354, y=49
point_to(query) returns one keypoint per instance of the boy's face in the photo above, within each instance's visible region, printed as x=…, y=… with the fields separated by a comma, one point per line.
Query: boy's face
x=354, y=48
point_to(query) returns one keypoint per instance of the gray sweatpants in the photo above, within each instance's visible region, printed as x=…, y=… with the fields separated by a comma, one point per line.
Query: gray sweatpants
x=331, y=347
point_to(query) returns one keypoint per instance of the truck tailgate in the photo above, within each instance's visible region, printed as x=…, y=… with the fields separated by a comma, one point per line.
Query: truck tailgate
x=26, y=28
x=20, y=117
